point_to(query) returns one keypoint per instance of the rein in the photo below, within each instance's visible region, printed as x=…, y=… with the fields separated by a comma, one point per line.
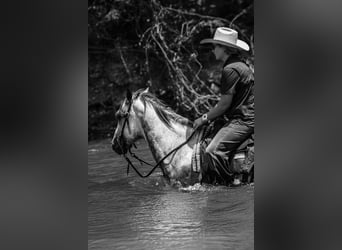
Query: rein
x=159, y=162
x=125, y=115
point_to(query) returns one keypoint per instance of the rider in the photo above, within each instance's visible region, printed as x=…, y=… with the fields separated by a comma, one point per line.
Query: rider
x=236, y=102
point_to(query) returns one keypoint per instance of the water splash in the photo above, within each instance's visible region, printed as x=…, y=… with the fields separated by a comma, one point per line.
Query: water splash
x=202, y=188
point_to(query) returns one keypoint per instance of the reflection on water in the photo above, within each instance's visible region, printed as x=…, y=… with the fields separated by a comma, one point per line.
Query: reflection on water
x=127, y=212
x=170, y=215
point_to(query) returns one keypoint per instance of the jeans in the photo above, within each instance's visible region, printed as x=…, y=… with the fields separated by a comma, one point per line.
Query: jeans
x=216, y=168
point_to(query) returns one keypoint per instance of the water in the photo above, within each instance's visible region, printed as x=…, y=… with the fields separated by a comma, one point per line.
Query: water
x=128, y=212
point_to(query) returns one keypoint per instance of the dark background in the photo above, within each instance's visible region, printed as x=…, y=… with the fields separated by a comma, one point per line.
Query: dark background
x=136, y=44
x=44, y=125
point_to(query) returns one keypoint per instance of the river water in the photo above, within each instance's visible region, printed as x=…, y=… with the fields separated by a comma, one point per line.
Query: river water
x=128, y=212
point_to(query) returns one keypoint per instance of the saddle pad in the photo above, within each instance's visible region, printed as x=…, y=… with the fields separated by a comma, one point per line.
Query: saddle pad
x=199, y=147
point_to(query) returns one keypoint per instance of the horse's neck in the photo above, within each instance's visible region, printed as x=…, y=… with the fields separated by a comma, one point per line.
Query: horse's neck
x=162, y=139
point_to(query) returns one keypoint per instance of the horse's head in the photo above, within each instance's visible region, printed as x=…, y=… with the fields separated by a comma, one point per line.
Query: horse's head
x=128, y=128
x=132, y=120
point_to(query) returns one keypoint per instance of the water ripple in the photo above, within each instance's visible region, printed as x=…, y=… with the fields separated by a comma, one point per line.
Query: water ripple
x=127, y=212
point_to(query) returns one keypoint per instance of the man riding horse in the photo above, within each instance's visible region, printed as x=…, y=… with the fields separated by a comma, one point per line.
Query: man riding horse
x=236, y=103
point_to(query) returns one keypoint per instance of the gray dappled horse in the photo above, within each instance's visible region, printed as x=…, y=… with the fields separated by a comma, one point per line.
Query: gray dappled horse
x=143, y=116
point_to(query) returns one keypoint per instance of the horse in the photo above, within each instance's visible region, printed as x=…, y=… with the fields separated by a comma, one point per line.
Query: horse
x=143, y=116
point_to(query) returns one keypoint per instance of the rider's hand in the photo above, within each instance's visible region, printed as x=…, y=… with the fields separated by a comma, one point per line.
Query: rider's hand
x=198, y=123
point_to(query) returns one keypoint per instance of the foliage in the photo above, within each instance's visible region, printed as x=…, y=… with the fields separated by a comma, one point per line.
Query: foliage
x=139, y=43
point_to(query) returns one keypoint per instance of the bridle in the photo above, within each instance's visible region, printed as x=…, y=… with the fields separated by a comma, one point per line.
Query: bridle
x=125, y=115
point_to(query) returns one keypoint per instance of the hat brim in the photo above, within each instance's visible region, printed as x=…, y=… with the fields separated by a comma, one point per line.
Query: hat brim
x=240, y=45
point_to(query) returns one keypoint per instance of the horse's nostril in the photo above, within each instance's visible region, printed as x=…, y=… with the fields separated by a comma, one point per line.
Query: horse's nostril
x=118, y=149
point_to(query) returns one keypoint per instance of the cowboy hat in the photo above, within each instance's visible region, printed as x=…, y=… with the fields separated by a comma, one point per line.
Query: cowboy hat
x=227, y=37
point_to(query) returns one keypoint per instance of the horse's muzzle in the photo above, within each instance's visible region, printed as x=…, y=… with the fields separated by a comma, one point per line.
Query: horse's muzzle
x=119, y=149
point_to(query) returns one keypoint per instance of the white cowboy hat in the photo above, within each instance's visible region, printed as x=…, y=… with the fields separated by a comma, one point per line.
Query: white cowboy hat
x=228, y=37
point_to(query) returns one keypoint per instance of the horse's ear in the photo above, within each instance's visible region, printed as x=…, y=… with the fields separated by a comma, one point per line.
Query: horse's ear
x=128, y=95
x=146, y=90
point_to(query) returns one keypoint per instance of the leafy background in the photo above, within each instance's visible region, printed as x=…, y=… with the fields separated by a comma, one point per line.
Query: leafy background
x=148, y=43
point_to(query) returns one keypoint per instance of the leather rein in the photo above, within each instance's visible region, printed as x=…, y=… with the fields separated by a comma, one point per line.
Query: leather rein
x=125, y=115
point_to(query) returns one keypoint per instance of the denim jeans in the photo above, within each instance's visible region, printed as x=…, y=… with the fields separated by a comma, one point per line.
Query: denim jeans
x=216, y=167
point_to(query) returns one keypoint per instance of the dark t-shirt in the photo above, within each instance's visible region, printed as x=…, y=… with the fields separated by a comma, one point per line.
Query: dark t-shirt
x=236, y=79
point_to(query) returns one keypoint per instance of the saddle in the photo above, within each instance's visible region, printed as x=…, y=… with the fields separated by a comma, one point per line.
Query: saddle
x=241, y=160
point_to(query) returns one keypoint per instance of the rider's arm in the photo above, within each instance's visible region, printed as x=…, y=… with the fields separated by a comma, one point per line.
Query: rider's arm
x=221, y=107
x=230, y=77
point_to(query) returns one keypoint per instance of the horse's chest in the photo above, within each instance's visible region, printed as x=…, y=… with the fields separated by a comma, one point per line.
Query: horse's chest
x=182, y=162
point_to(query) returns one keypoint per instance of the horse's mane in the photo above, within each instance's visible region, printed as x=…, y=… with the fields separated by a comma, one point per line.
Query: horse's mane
x=164, y=112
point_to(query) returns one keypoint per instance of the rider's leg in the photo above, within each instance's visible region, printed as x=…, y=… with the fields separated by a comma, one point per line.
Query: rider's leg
x=225, y=141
